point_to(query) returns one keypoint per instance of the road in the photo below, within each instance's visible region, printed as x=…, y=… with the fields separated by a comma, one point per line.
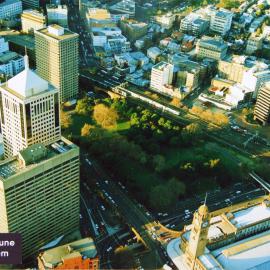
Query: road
x=132, y=212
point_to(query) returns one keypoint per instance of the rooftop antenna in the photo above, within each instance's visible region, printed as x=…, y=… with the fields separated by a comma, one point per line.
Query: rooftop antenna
x=26, y=60
x=205, y=199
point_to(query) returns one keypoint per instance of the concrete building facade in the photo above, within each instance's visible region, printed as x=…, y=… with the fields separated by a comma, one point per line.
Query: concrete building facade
x=32, y=20
x=57, y=14
x=161, y=75
x=211, y=48
x=39, y=194
x=29, y=111
x=221, y=21
x=10, y=9
x=262, y=107
x=57, y=59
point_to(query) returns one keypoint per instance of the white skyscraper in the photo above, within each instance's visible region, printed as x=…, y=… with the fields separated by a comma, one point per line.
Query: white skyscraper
x=29, y=110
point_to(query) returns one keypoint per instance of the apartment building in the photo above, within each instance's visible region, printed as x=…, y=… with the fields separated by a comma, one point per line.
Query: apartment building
x=32, y=20
x=29, y=110
x=254, y=44
x=161, y=74
x=39, y=193
x=57, y=59
x=211, y=48
x=221, y=21
x=232, y=68
x=194, y=24
x=10, y=9
x=262, y=107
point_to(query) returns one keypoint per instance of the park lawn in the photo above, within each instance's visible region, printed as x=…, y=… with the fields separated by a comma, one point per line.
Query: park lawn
x=120, y=127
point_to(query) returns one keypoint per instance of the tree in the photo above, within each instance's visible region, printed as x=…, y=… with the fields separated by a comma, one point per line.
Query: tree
x=86, y=129
x=160, y=197
x=105, y=116
x=66, y=120
x=176, y=102
x=176, y=187
x=82, y=106
x=159, y=163
x=191, y=132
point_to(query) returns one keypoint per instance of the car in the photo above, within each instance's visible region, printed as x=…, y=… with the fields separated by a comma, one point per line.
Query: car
x=106, y=181
x=80, y=216
x=148, y=214
x=113, y=201
x=238, y=192
x=165, y=215
x=173, y=226
x=187, y=211
x=159, y=214
x=97, y=226
x=103, y=208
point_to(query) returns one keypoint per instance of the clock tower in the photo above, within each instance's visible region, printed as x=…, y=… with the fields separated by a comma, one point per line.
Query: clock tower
x=198, y=235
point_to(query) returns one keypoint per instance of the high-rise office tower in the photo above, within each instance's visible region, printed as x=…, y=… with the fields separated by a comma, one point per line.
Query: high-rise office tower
x=57, y=59
x=29, y=110
x=262, y=107
x=39, y=194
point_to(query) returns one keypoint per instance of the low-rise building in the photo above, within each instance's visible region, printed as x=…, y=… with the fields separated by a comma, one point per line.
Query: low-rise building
x=166, y=21
x=80, y=254
x=57, y=14
x=11, y=63
x=110, y=39
x=254, y=43
x=153, y=53
x=133, y=29
x=10, y=9
x=262, y=107
x=32, y=20
x=213, y=48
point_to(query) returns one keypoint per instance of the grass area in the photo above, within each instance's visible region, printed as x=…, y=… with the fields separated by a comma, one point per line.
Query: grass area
x=120, y=127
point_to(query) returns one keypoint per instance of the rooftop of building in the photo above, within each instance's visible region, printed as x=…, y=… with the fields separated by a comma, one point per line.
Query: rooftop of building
x=84, y=248
x=65, y=33
x=161, y=65
x=33, y=12
x=22, y=40
x=224, y=13
x=212, y=43
x=7, y=56
x=34, y=154
x=54, y=6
